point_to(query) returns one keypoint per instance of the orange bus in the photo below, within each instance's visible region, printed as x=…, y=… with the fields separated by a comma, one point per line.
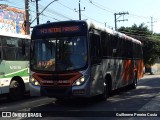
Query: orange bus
x=82, y=59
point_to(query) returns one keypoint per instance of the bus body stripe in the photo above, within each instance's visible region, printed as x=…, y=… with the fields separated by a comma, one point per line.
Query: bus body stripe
x=18, y=72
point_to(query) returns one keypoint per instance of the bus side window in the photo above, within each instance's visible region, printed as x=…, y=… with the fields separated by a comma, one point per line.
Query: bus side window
x=95, y=48
x=114, y=46
x=23, y=48
x=129, y=49
x=105, y=41
x=139, y=52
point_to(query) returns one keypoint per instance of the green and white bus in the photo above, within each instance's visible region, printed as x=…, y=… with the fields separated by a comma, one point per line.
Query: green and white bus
x=14, y=65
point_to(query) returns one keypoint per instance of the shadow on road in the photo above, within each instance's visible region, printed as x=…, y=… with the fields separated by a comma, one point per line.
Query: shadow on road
x=4, y=100
x=124, y=99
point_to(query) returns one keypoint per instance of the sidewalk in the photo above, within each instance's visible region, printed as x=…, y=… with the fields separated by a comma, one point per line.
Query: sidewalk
x=150, y=76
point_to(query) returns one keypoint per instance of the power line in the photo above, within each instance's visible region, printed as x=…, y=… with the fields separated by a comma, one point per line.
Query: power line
x=51, y=17
x=92, y=2
x=138, y=16
x=92, y=19
x=37, y=17
x=66, y=6
x=112, y=11
x=55, y=12
x=81, y=14
x=49, y=11
x=100, y=6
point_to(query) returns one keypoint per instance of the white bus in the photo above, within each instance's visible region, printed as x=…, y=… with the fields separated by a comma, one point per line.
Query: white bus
x=14, y=65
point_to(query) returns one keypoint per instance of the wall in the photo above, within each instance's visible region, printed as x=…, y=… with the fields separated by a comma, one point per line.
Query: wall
x=12, y=20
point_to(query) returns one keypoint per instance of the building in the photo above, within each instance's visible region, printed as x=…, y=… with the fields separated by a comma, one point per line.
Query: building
x=12, y=20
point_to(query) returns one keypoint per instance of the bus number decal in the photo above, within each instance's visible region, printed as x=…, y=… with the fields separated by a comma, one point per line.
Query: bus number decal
x=15, y=67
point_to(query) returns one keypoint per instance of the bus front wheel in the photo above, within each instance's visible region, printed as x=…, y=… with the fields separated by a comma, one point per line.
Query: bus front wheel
x=16, y=90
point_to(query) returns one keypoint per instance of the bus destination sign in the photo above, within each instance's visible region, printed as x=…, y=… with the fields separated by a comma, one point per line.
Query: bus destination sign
x=63, y=29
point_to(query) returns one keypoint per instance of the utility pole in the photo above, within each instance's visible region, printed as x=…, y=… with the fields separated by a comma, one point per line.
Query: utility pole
x=37, y=12
x=152, y=24
x=80, y=10
x=116, y=19
x=105, y=24
x=27, y=23
x=37, y=17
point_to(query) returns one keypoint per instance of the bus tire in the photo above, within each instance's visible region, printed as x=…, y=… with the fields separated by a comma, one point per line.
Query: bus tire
x=16, y=91
x=105, y=94
x=109, y=83
x=134, y=84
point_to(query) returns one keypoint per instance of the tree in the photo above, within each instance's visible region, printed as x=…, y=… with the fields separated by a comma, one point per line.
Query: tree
x=151, y=42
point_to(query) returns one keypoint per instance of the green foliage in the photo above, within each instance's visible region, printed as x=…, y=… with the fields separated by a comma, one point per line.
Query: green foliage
x=151, y=50
x=151, y=42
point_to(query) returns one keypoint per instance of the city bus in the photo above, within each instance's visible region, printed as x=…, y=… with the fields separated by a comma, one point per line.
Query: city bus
x=70, y=59
x=14, y=65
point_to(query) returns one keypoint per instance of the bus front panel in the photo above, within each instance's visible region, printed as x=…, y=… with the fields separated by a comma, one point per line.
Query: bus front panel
x=59, y=59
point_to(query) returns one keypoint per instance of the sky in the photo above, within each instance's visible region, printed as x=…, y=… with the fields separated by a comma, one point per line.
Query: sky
x=100, y=11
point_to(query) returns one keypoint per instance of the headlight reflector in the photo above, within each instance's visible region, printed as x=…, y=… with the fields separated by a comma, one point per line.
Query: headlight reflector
x=79, y=81
x=34, y=81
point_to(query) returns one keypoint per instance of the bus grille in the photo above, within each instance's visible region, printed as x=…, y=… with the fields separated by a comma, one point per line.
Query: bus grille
x=57, y=79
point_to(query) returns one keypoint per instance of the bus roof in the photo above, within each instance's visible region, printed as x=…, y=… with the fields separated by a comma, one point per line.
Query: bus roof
x=110, y=31
x=14, y=35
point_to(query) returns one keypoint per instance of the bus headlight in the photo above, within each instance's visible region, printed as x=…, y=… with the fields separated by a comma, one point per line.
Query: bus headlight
x=34, y=81
x=79, y=82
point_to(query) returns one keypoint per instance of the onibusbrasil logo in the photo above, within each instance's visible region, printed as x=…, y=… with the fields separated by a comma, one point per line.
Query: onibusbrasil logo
x=20, y=114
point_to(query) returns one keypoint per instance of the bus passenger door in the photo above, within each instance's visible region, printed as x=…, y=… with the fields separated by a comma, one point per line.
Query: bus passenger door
x=96, y=64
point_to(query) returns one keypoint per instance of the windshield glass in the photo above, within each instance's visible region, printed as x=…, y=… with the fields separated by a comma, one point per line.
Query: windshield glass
x=59, y=54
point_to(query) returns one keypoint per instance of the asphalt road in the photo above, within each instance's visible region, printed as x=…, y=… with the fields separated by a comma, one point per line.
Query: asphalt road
x=123, y=104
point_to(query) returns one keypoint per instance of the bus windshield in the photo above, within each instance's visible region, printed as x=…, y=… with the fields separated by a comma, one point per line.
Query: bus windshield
x=59, y=54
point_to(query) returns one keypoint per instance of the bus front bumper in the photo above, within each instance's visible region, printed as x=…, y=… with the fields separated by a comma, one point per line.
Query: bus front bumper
x=59, y=92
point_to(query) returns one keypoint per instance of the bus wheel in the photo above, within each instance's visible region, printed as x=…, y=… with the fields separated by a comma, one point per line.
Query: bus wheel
x=16, y=90
x=134, y=84
x=105, y=94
